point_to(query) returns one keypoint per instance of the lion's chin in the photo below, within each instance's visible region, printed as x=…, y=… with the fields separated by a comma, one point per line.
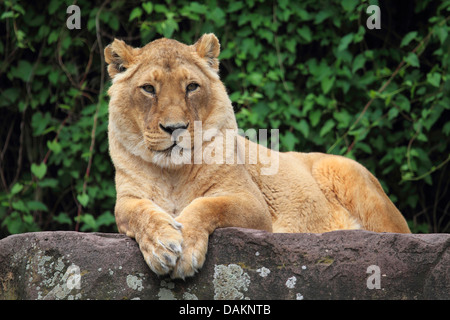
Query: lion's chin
x=172, y=157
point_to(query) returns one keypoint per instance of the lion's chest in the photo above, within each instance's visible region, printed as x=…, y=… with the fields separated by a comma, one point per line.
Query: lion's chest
x=172, y=206
x=171, y=198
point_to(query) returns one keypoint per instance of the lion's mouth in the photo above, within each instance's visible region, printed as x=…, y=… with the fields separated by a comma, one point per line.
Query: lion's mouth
x=168, y=151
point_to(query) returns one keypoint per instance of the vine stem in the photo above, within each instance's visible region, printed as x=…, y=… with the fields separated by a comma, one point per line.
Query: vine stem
x=433, y=169
x=100, y=100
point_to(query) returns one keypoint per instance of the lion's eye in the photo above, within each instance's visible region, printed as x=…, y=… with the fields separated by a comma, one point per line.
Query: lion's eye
x=149, y=88
x=192, y=87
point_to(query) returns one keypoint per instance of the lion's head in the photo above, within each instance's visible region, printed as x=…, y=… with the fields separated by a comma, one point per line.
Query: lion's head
x=160, y=90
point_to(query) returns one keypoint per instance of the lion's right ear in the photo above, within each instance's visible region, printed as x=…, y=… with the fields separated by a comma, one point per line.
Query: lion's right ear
x=119, y=56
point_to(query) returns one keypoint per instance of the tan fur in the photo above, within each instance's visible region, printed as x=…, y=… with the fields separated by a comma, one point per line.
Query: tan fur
x=171, y=208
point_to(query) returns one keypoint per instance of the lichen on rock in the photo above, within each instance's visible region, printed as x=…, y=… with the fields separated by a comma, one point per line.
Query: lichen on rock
x=230, y=282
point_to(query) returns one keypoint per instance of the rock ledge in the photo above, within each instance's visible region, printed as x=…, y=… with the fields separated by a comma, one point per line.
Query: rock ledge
x=241, y=264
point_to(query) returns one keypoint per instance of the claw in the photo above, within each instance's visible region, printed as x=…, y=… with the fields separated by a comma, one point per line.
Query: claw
x=176, y=248
x=161, y=263
x=194, y=263
x=155, y=270
x=177, y=225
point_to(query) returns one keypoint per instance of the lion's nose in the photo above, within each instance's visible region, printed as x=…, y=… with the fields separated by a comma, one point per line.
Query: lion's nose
x=170, y=128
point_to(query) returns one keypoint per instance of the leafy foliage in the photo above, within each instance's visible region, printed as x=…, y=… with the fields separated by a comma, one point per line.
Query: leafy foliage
x=311, y=69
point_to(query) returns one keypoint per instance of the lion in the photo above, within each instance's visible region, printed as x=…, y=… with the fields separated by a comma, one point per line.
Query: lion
x=170, y=202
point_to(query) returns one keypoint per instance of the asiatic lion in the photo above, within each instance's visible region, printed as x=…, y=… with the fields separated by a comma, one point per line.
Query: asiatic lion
x=170, y=203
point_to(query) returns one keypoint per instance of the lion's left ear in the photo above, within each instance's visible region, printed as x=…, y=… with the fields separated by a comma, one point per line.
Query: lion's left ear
x=208, y=48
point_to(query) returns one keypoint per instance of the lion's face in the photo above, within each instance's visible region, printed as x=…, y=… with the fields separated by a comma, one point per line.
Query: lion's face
x=159, y=91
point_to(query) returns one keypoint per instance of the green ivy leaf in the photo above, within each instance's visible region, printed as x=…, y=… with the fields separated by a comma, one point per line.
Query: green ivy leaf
x=19, y=205
x=322, y=16
x=218, y=16
x=358, y=62
x=83, y=199
x=442, y=34
x=54, y=146
x=327, y=84
x=16, y=188
x=53, y=6
x=345, y=41
x=327, y=127
x=235, y=6
x=8, y=14
x=28, y=218
x=113, y=22
x=403, y=102
x=393, y=113
x=22, y=71
x=305, y=33
x=446, y=129
x=343, y=118
x=135, y=14
x=434, y=79
x=349, y=5
x=89, y=222
x=34, y=205
x=408, y=38
x=105, y=219
x=39, y=170
x=303, y=127
x=412, y=59
x=13, y=222
x=48, y=183
x=148, y=7
x=168, y=27
x=63, y=218
x=314, y=117
x=53, y=37
x=289, y=140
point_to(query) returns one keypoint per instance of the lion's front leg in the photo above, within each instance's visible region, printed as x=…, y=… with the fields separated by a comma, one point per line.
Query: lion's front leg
x=157, y=233
x=204, y=215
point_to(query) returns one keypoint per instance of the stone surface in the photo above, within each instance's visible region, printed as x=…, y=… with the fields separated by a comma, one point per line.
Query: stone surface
x=241, y=264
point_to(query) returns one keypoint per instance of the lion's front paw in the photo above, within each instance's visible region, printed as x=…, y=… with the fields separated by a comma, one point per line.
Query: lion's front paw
x=195, y=245
x=161, y=245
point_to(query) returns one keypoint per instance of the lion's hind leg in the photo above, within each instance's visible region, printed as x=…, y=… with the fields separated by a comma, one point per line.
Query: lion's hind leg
x=348, y=184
